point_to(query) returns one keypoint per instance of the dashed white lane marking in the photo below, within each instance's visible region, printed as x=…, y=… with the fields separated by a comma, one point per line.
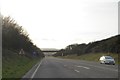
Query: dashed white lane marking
x=104, y=68
x=36, y=70
x=84, y=67
x=76, y=70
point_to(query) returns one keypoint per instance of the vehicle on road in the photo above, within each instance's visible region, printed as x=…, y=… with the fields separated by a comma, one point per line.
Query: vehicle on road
x=107, y=60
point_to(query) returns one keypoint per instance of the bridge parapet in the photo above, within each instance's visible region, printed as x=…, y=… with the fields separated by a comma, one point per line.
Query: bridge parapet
x=50, y=50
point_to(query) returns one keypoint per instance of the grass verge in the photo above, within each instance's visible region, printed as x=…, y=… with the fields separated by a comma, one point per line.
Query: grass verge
x=0, y=68
x=15, y=66
x=91, y=57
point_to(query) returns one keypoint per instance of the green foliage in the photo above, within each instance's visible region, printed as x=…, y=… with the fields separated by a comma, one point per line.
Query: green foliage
x=15, y=38
x=110, y=45
x=91, y=57
x=15, y=66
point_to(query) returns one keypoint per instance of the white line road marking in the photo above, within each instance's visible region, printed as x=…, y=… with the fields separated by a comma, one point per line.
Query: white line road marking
x=100, y=67
x=104, y=68
x=36, y=70
x=25, y=76
x=84, y=67
x=76, y=70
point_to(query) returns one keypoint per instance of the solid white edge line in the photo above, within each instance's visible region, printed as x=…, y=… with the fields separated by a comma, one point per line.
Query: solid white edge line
x=25, y=76
x=36, y=70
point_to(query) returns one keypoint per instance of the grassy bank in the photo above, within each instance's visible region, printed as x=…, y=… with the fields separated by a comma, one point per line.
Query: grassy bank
x=91, y=57
x=0, y=68
x=15, y=65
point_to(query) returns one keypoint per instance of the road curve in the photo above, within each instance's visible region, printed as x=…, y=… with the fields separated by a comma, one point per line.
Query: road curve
x=51, y=67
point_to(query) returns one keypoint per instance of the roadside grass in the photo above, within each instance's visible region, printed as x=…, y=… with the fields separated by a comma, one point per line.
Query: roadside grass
x=0, y=68
x=91, y=57
x=15, y=66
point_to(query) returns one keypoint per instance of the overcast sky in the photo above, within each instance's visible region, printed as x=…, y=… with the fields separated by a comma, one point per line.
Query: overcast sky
x=58, y=23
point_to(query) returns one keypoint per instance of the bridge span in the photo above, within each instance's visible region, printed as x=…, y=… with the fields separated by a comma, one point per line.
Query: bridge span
x=49, y=52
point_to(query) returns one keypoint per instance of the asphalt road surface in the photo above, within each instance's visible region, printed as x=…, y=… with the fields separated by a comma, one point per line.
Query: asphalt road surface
x=51, y=67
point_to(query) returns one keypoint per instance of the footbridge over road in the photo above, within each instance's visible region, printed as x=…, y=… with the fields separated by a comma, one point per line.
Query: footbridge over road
x=49, y=52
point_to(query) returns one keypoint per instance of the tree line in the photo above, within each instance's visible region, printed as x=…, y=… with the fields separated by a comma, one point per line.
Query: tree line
x=15, y=38
x=109, y=45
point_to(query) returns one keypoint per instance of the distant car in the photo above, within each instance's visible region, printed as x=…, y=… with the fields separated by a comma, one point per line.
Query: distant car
x=107, y=60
